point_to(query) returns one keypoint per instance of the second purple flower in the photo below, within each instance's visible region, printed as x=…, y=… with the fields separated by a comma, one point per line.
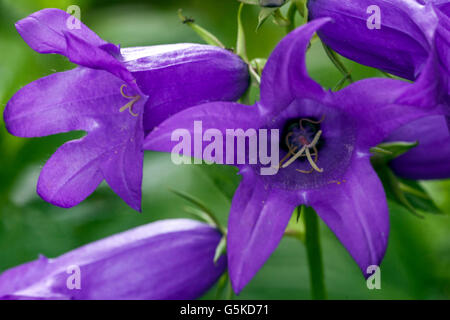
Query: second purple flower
x=116, y=96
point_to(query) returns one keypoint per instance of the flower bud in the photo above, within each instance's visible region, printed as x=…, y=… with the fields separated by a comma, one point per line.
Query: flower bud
x=168, y=259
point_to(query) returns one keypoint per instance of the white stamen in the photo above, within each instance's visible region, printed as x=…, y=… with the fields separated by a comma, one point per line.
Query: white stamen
x=311, y=162
x=295, y=157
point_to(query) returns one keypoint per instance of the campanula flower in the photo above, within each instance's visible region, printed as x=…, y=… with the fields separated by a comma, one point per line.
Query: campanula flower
x=168, y=259
x=410, y=33
x=324, y=145
x=400, y=46
x=116, y=95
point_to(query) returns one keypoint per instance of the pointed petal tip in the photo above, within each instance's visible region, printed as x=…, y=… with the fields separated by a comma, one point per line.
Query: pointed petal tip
x=238, y=279
x=237, y=286
x=40, y=30
x=137, y=206
x=285, y=76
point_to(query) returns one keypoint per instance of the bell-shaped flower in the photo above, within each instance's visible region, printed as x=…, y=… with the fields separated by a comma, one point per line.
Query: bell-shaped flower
x=116, y=96
x=394, y=35
x=168, y=259
x=323, y=139
x=400, y=37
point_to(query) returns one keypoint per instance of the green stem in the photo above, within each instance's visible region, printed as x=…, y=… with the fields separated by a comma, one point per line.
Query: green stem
x=314, y=253
x=334, y=58
x=291, y=17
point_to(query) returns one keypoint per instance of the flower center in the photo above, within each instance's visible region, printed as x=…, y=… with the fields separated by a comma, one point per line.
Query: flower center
x=317, y=142
x=130, y=104
x=302, y=136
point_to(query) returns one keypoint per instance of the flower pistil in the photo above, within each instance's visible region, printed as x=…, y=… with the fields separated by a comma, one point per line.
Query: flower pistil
x=131, y=103
x=299, y=138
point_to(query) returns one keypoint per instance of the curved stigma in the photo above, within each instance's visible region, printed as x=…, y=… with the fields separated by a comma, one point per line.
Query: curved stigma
x=131, y=103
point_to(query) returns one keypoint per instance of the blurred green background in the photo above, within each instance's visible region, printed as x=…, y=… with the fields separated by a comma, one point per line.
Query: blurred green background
x=417, y=263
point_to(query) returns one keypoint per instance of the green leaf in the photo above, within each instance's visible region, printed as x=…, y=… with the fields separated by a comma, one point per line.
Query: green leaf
x=279, y=19
x=201, y=215
x=393, y=190
x=221, y=249
x=221, y=286
x=224, y=178
x=387, y=75
x=341, y=83
x=291, y=17
x=385, y=152
x=418, y=196
x=301, y=7
x=334, y=58
x=296, y=225
x=207, y=36
x=241, y=45
x=210, y=216
x=264, y=14
x=258, y=64
x=408, y=193
x=256, y=67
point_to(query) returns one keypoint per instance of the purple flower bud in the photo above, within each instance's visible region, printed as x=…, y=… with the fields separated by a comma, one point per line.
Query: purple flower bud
x=169, y=259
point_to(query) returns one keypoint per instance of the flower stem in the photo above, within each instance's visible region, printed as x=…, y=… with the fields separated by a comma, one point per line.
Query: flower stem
x=291, y=17
x=314, y=253
x=334, y=58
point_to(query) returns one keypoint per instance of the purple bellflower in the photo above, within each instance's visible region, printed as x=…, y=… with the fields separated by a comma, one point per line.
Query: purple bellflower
x=324, y=145
x=401, y=44
x=168, y=259
x=116, y=96
x=410, y=33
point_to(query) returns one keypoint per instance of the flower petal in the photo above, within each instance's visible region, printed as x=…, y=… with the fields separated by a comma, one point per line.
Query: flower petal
x=443, y=50
x=123, y=167
x=380, y=112
x=88, y=100
x=431, y=158
x=50, y=31
x=83, y=53
x=215, y=115
x=50, y=105
x=285, y=76
x=44, y=31
x=258, y=218
x=71, y=174
x=401, y=44
x=179, y=76
x=355, y=209
x=169, y=259
x=443, y=38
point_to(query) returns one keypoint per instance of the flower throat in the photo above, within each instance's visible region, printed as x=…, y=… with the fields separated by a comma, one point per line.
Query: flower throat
x=302, y=140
